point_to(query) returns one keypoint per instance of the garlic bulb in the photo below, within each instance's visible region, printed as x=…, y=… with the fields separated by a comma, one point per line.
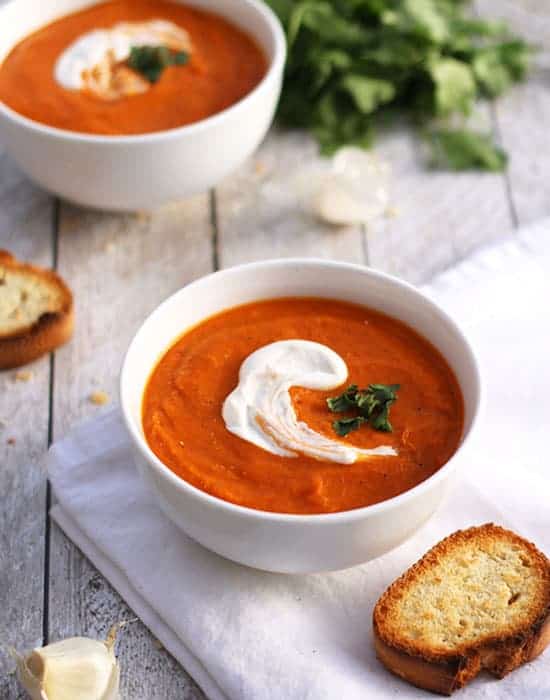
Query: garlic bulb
x=76, y=668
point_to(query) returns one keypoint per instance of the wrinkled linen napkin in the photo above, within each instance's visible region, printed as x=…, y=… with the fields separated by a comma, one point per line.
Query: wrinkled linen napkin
x=248, y=635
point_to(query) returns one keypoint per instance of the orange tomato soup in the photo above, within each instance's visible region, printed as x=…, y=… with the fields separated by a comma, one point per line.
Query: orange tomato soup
x=182, y=408
x=225, y=65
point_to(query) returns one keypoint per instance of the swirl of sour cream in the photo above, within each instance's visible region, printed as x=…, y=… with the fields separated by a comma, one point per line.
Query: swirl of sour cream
x=93, y=60
x=260, y=408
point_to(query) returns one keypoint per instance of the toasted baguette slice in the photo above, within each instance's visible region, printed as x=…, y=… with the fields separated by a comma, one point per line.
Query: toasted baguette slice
x=480, y=599
x=36, y=312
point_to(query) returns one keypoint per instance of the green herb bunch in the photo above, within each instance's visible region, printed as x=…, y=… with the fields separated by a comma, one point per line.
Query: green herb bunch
x=372, y=405
x=353, y=64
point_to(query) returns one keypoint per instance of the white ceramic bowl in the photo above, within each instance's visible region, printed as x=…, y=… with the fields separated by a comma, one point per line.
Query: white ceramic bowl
x=281, y=542
x=141, y=172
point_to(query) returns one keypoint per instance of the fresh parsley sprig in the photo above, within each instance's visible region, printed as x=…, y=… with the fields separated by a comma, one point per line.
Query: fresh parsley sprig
x=372, y=405
x=353, y=66
x=150, y=61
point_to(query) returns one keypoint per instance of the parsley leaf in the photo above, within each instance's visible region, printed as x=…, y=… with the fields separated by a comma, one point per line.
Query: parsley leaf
x=372, y=404
x=368, y=93
x=150, y=61
x=461, y=149
x=497, y=68
x=455, y=87
x=423, y=17
x=345, y=401
x=347, y=425
x=354, y=64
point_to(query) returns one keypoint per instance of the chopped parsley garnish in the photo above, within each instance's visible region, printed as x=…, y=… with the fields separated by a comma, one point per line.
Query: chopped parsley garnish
x=372, y=406
x=150, y=61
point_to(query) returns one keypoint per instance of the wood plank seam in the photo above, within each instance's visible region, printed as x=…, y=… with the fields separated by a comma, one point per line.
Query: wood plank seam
x=51, y=389
x=214, y=227
x=497, y=133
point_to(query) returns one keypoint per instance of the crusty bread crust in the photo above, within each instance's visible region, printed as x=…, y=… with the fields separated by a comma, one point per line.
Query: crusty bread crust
x=48, y=332
x=439, y=677
x=445, y=671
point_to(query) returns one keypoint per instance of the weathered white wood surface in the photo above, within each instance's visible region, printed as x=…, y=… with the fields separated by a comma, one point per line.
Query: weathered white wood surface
x=121, y=266
x=523, y=115
x=26, y=225
x=259, y=215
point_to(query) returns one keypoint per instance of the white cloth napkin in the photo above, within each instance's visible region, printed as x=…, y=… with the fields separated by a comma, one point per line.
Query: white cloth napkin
x=248, y=635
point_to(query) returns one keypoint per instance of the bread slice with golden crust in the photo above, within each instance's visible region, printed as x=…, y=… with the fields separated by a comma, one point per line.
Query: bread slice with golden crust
x=479, y=599
x=36, y=312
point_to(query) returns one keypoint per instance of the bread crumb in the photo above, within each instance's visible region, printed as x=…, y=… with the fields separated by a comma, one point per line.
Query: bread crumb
x=11, y=441
x=143, y=216
x=158, y=644
x=99, y=398
x=23, y=375
x=260, y=168
x=236, y=207
x=391, y=212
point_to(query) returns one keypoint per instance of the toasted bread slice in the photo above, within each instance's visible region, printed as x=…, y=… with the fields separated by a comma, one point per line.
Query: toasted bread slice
x=36, y=312
x=480, y=599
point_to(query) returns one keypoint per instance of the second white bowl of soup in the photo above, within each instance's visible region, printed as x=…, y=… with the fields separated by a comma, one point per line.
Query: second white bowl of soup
x=89, y=120
x=224, y=391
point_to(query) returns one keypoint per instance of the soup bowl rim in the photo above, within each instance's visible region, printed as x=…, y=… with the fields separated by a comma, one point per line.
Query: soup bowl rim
x=274, y=69
x=350, y=515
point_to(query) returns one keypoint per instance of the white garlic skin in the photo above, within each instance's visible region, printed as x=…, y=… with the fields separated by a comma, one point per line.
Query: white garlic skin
x=351, y=188
x=335, y=204
x=74, y=668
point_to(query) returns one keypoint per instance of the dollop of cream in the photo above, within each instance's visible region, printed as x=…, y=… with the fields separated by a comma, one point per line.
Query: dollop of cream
x=260, y=409
x=93, y=61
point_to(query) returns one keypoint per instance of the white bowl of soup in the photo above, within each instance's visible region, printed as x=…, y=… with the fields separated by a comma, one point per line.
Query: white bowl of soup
x=126, y=105
x=224, y=393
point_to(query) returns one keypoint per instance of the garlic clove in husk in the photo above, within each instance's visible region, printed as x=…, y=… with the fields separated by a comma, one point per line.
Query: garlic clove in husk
x=335, y=202
x=75, y=668
x=351, y=188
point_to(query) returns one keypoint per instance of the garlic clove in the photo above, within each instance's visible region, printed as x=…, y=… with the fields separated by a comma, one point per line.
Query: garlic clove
x=73, y=668
x=335, y=203
x=351, y=188
x=358, y=164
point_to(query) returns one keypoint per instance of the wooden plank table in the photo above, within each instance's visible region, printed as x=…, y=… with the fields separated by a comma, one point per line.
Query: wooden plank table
x=121, y=266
